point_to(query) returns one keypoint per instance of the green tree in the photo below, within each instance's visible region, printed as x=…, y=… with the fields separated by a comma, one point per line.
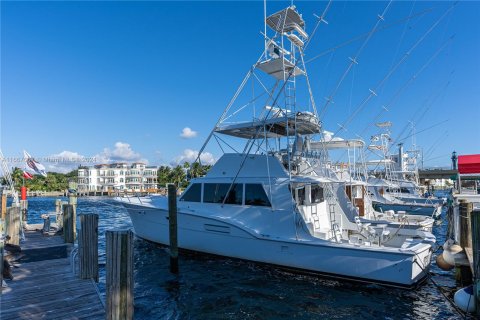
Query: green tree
x=179, y=177
x=163, y=175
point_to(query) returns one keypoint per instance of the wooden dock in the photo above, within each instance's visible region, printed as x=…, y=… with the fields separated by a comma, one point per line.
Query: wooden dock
x=45, y=286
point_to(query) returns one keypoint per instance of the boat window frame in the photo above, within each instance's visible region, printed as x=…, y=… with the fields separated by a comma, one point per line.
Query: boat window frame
x=269, y=203
x=188, y=190
x=313, y=187
x=222, y=197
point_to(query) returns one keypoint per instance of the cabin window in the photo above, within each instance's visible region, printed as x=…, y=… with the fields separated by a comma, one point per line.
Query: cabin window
x=317, y=194
x=193, y=194
x=255, y=195
x=299, y=195
x=216, y=192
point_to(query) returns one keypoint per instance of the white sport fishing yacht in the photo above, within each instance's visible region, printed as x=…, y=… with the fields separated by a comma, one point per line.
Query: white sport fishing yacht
x=266, y=203
x=353, y=173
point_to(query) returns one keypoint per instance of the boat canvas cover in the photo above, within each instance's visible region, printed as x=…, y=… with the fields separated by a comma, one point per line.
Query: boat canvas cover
x=469, y=164
x=290, y=125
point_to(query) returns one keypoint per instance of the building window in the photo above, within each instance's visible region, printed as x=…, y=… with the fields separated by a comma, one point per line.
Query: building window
x=255, y=195
x=121, y=179
x=216, y=192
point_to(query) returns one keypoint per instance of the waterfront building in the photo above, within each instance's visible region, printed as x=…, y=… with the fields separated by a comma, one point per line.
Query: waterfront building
x=135, y=177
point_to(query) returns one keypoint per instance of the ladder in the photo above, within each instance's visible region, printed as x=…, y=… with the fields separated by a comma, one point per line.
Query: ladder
x=316, y=220
x=332, y=202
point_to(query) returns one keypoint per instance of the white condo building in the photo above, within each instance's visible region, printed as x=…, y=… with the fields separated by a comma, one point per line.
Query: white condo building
x=117, y=176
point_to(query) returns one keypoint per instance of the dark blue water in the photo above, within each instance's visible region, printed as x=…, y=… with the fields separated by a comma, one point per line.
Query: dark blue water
x=221, y=288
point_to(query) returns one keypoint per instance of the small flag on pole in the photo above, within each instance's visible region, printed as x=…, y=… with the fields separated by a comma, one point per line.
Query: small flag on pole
x=33, y=165
x=27, y=175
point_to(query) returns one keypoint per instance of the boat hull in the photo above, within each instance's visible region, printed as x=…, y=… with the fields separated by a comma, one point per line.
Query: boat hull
x=408, y=208
x=214, y=236
x=427, y=201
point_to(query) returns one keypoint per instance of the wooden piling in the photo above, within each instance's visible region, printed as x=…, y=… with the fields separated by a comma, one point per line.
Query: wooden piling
x=24, y=210
x=2, y=243
x=88, y=246
x=4, y=206
x=119, y=274
x=172, y=219
x=72, y=195
x=13, y=225
x=475, y=225
x=58, y=206
x=69, y=223
x=465, y=226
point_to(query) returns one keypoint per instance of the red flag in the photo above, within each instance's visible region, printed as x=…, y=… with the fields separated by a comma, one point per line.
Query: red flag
x=27, y=175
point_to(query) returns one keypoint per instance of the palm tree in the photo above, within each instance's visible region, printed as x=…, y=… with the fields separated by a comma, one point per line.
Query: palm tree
x=17, y=177
x=178, y=176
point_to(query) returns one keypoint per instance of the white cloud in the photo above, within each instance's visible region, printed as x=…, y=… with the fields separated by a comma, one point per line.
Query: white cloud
x=121, y=153
x=190, y=156
x=65, y=161
x=188, y=133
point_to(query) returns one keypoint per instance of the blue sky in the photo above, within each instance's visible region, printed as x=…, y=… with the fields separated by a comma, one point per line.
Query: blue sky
x=123, y=80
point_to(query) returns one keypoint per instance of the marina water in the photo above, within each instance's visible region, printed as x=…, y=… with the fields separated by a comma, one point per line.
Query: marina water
x=210, y=287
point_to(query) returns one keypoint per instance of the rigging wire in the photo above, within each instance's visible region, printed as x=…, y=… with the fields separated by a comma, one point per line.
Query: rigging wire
x=363, y=35
x=319, y=20
x=389, y=74
x=427, y=107
x=353, y=61
x=436, y=144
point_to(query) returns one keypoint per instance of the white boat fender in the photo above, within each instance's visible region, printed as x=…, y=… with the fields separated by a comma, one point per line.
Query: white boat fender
x=464, y=299
x=450, y=250
x=442, y=264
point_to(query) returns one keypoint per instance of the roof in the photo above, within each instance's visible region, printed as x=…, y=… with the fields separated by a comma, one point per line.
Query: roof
x=469, y=163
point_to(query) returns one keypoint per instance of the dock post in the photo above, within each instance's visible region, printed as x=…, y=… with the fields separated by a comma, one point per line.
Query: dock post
x=2, y=243
x=24, y=210
x=119, y=274
x=88, y=246
x=172, y=219
x=72, y=195
x=475, y=223
x=69, y=223
x=465, y=227
x=4, y=206
x=13, y=225
x=58, y=205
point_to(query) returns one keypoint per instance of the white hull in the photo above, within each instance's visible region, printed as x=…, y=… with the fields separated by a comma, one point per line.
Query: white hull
x=393, y=266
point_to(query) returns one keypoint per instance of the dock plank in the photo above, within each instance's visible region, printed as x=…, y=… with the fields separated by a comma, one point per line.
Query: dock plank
x=46, y=288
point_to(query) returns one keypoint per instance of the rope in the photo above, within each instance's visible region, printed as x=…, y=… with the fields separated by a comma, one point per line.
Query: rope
x=429, y=277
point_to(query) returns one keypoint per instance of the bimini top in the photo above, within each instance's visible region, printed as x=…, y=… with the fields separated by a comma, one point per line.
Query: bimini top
x=285, y=125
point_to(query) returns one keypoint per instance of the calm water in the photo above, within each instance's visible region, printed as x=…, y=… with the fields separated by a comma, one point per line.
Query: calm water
x=221, y=288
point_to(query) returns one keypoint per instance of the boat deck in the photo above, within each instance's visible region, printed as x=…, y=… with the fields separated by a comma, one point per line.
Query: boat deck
x=44, y=285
